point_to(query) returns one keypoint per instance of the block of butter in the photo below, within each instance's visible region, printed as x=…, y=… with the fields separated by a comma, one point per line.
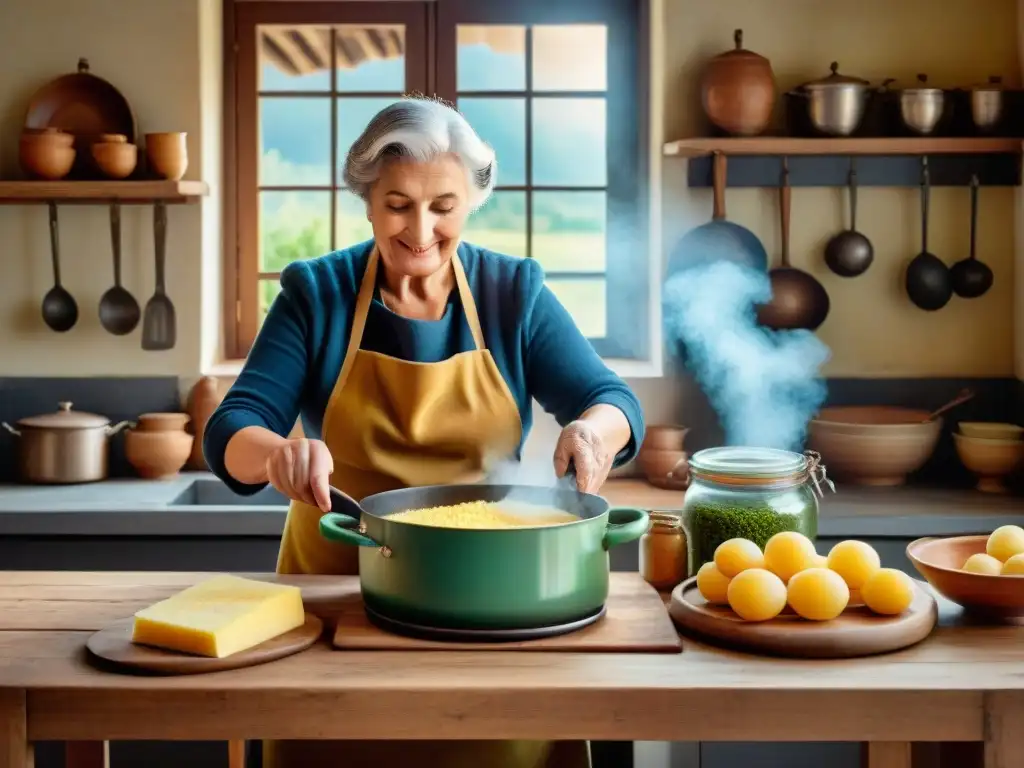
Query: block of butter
x=220, y=617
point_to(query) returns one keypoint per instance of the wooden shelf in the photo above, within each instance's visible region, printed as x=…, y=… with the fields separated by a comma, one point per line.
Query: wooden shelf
x=99, y=192
x=781, y=145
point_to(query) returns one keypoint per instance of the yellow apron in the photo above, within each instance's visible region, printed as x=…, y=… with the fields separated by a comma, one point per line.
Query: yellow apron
x=393, y=424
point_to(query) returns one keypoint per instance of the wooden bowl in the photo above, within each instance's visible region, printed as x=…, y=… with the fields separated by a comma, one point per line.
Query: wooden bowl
x=940, y=561
x=45, y=157
x=991, y=460
x=116, y=160
x=993, y=430
x=873, y=446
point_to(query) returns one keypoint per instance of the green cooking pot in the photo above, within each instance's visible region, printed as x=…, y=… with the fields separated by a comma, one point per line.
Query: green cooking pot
x=515, y=578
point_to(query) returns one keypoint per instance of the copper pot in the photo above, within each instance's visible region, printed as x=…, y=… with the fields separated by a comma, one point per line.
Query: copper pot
x=738, y=90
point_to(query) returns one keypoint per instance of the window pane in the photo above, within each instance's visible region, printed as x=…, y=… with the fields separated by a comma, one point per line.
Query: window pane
x=351, y=226
x=500, y=225
x=354, y=114
x=268, y=292
x=371, y=57
x=569, y=231
x=293, y=57
x=490, y=58
x=570, y=57
x=295, y=142
x=586, y=301
x=502, y=124
x=293, y=226
x=569, y=142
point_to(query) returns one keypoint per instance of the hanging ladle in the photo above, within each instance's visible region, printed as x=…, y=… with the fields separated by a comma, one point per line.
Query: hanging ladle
x=60, y=311
x=927, y=281
x=850, y=253
x=119, y=311
x=971, y=278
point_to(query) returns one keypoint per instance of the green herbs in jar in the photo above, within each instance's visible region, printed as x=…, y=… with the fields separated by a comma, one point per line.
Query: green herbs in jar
x=748, y=493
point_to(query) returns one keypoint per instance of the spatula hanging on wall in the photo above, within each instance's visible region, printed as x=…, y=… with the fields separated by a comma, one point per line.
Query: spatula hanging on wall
x=159, y=324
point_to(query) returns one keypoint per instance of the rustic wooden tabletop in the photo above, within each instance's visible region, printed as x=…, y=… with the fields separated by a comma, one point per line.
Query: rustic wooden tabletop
x=964, y=684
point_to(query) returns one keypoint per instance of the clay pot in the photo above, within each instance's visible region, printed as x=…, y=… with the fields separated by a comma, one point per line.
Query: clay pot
x=664, y=437
x=158, y=446
x=46, y=154
x=115, y=159
x=167, y=155
x=203, y=400
x=738, y=90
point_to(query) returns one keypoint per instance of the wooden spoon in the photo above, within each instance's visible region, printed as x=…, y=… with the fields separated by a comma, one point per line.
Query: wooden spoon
x=963, y=397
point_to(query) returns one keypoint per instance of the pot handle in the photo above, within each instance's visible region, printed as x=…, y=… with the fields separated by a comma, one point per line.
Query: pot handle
x=335, y=526
x=10, y=429
x=113, y=430
x=625, y=524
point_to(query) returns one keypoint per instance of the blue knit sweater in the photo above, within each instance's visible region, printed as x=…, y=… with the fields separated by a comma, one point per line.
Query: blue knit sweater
x=298, y=353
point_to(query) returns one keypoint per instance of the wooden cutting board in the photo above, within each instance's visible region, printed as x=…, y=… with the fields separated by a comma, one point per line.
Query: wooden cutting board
x=857, y=632
x=113, y=644
x=635, y=622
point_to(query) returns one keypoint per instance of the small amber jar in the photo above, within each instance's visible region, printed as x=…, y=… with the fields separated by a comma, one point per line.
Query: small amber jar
x=663, y=551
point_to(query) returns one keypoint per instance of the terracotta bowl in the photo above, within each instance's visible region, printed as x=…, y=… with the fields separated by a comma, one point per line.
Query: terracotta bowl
x=664, y=469
x=873, y=446
x=116, y=160
x=940, y=561
x=665, y=437
x=993, y=430
x=54, y=135
x=46, y=156
x=991, y=460
x=167, y=155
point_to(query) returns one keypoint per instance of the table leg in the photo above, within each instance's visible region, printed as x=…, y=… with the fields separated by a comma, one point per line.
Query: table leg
x=15, y=749
x=236, y=753
x=887, y=754
x=1004, y=733
x=87, y=754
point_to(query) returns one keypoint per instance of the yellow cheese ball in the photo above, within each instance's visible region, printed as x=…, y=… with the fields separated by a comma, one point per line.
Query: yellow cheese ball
x=757, y=595
x=712, y=585
x=737, y=555
x=888, y=591
x=1014, y=566
x=817, y=594
x=787, y=553
x=982, y=563
x=855, y=561
x=1005, y=542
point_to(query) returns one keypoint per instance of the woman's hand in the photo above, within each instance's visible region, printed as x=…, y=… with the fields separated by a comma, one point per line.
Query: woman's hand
x=582, y=445
x=301, y=470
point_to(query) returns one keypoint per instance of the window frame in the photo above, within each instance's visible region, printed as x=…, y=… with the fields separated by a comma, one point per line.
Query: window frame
x=431, y=68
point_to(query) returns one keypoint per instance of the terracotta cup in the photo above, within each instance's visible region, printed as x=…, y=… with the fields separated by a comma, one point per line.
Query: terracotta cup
x=167, y=155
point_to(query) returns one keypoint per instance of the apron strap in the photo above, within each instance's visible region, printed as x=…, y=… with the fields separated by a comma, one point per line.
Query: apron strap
x=365, y=298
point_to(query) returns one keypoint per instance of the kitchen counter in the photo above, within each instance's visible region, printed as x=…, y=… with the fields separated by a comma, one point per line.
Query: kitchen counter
x=197, y=504
x=963, y=684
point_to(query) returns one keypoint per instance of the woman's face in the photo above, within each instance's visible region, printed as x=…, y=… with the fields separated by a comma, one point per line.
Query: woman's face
x=417, y=211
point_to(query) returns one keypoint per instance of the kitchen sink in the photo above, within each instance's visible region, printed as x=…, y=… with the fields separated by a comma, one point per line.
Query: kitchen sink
x=211, y=492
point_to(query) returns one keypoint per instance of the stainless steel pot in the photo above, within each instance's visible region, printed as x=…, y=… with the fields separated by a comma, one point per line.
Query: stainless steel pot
x=987, y=103
x=836, y=103
x=63, y=447
x=921, y=107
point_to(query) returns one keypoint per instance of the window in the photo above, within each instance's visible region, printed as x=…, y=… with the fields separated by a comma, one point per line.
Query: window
x=555, y=87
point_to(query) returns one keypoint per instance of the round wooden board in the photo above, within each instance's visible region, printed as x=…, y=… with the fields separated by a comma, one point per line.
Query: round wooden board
x=114, y=645
x=857, y=632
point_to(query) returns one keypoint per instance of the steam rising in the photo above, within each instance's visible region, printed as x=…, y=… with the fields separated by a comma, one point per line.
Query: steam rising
x=765, y=385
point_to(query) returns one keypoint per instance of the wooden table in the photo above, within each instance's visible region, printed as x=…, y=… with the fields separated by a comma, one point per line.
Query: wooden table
x=964, y=684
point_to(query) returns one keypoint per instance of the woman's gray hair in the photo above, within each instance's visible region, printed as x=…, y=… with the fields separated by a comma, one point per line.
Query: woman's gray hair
x=420, y=129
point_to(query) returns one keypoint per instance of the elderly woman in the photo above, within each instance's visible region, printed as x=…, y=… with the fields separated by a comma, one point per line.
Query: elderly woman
x=413, y=359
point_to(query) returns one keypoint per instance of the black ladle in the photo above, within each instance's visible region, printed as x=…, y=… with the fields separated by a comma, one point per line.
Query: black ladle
x=159, y=324
x=60, y=311
x=927, y=282
x=971, y=278
x=850, y=253
x=119, y=311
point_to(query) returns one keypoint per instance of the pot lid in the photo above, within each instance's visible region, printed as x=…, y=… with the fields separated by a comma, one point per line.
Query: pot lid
x=835, y=79
x=740, y=461
x=739, y=52
x=995, y=83
x=65, y=418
